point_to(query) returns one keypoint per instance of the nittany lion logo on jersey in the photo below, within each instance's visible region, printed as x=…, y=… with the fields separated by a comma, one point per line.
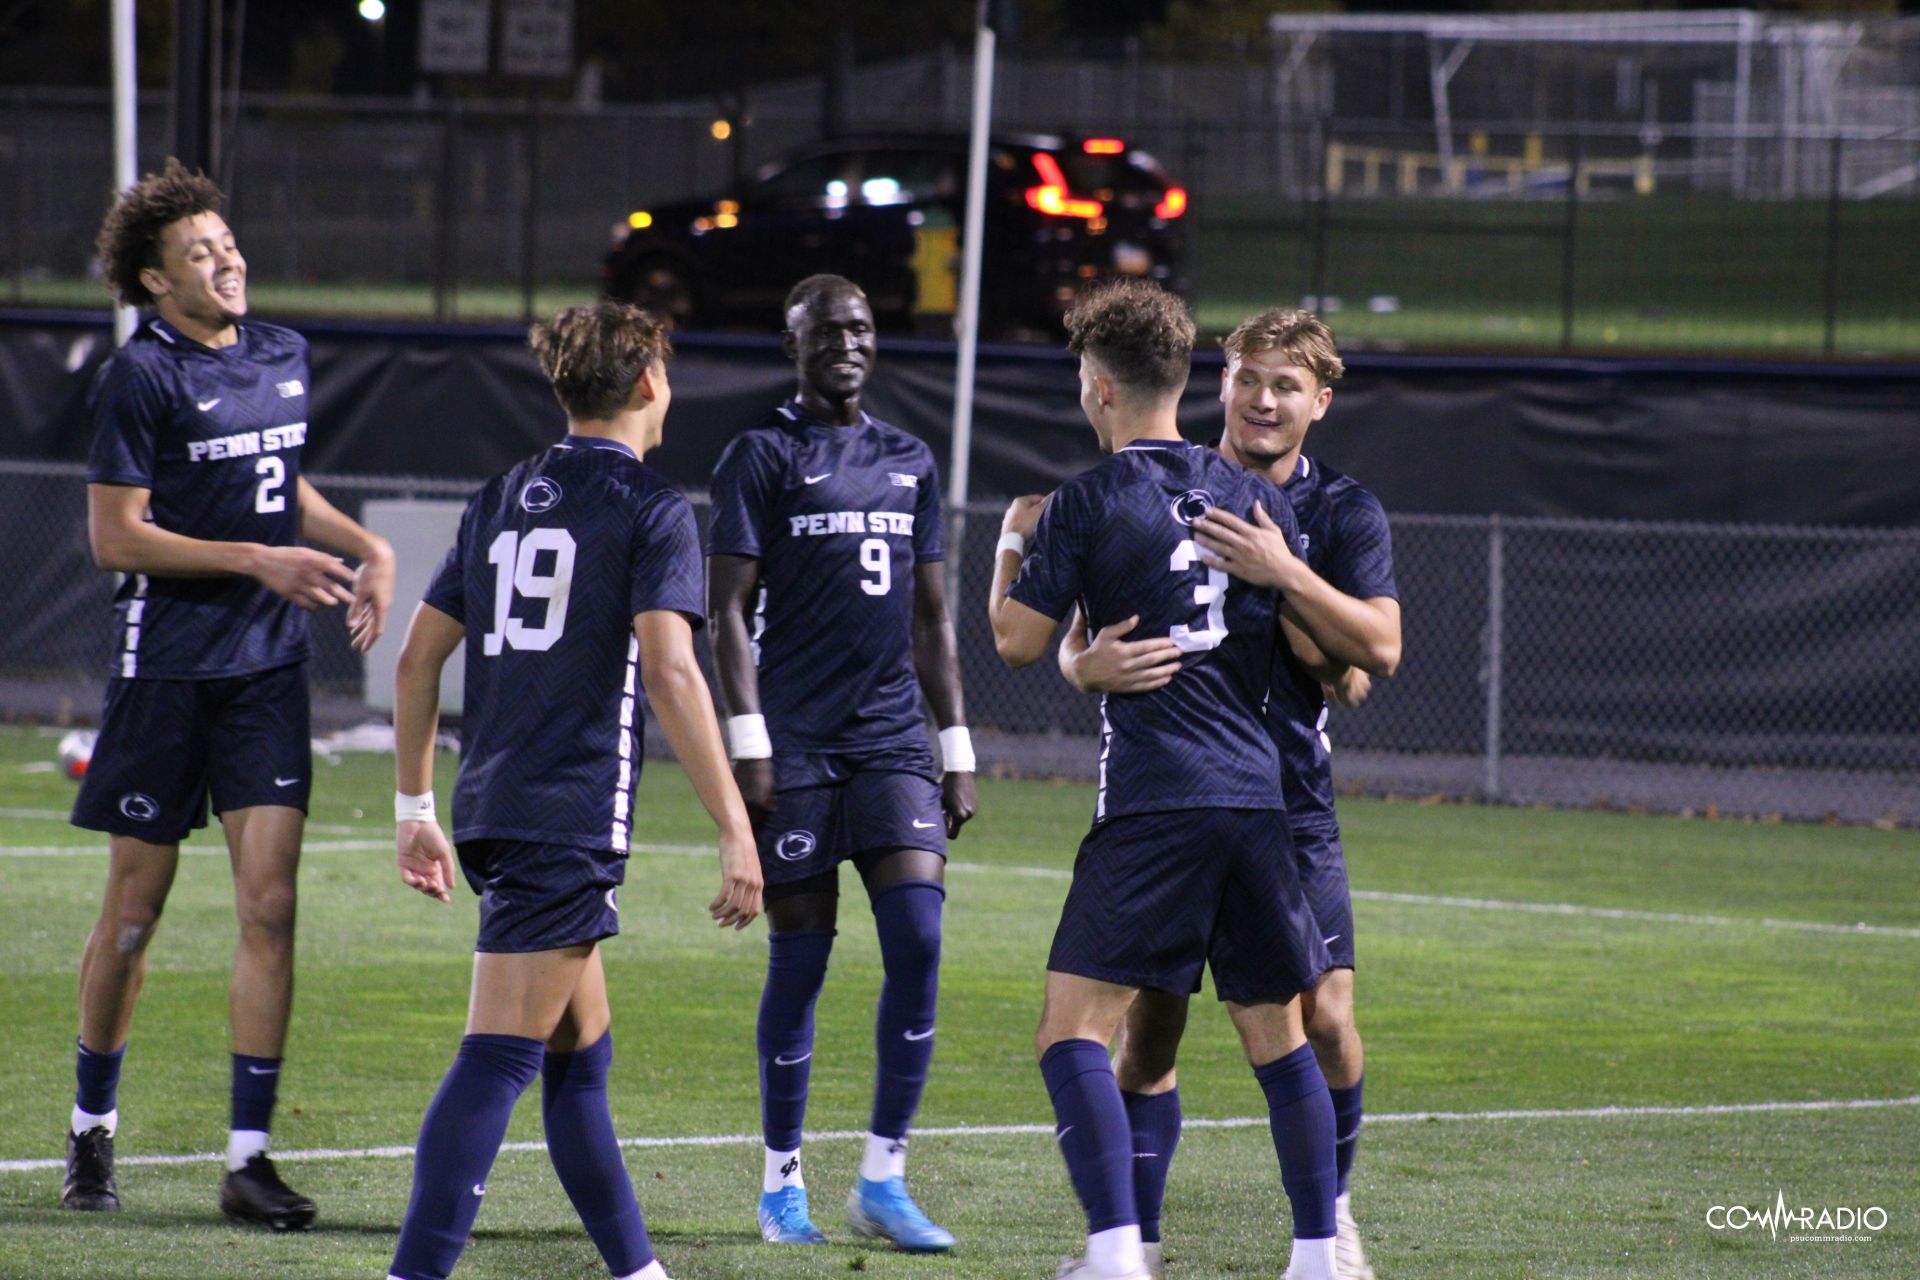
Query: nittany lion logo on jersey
x=1191, y=505
x=541, y=494
x=794, y=845
x=139, y=807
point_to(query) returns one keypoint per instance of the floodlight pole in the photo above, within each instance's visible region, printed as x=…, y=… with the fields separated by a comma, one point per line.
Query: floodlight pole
x=973, y=238
x=125, y=150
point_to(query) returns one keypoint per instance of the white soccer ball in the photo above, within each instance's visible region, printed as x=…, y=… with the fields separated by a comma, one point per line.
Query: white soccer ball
x=75, y=750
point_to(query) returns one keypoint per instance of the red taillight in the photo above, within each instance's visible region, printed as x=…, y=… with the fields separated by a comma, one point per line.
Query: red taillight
x=1172, y=204
x=1103, y=146
x=1051, y=197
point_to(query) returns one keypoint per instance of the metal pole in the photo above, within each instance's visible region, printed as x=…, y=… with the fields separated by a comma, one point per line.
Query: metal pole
x=443, y=254
x=1568, y=257
x=530, y=212
x=192, y=87
x=1832, y=283
x=125, y=150
x=1496, y=625
x=973, y=242
x=1742, y=101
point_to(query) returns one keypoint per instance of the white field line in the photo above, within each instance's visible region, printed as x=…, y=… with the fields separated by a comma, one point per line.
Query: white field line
x=1002, y=1130
x=1057, y=873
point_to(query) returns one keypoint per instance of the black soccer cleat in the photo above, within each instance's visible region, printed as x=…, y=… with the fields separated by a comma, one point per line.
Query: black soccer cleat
x=90, y=1187
x=255, y=1194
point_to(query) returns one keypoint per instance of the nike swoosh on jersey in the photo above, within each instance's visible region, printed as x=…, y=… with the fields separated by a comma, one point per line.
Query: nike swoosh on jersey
x=204, y=405
x=924, y=825
x=1330, y=941
x=817, y=479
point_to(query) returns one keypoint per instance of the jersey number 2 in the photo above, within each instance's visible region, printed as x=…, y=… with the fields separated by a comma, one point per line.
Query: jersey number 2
x=268, y=499
x=514, y=559
x=1212, y=594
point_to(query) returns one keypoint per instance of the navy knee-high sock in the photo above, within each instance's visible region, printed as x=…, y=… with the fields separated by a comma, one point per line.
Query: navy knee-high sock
x=97, y=1078
x=458, y=1140
x=1301, y=1116
x=907, y=918
x=796, y=967
x=1155, y=1120
x=1091, y=1128
x=1346, y=1128
x=586, y=1154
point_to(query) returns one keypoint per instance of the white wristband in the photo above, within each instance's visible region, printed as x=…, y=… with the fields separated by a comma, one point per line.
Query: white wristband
x=408, y=808
x=1014, y=542
x=956, y=745
x=747, y=738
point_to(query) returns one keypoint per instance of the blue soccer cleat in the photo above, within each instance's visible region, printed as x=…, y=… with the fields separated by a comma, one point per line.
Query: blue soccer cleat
x=885, y=1209
x=784, y=1220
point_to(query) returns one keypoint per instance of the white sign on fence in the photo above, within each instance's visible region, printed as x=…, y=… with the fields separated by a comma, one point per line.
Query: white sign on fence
x=536, y=38
x=454, y=36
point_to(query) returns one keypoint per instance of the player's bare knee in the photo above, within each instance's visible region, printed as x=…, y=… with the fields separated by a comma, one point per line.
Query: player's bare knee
x=267, y=917
x=132, y=933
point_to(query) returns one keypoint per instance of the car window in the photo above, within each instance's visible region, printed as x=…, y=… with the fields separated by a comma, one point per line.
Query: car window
x=812, y=183
x=902, y=176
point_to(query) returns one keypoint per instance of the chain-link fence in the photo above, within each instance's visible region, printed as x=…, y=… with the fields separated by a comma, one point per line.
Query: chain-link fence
x=1698, y=227
x=1742, y=669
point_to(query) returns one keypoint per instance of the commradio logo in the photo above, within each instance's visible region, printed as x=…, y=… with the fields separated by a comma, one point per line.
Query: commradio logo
x=1804, y=1224
x=541, y=494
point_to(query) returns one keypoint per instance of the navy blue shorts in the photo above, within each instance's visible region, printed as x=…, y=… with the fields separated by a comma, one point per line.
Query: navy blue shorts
x=1157, y=895
x=166, y=746
x=1323, y=878
x=829, y=808
x=542, y=897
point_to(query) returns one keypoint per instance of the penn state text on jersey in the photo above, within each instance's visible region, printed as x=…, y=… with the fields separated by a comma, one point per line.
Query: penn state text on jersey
x=552, y=562
x=839, y=517
x=215, y=434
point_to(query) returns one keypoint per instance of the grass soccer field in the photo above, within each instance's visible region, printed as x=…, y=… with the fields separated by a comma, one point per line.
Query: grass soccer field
x=1584, y=1030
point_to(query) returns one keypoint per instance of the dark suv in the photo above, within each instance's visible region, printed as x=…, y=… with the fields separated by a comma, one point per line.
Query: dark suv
x=886, y=212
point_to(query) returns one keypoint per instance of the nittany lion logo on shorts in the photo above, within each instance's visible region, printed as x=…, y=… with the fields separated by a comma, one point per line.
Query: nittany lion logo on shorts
x=139, y=807
x=794, y=845
x=541, y=494
x=1191, y=505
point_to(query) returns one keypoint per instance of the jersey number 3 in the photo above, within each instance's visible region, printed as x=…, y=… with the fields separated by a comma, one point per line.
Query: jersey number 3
x=515, y=560
x=1212, y=594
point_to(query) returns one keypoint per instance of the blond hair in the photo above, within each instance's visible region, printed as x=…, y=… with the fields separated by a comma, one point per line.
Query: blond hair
x=594, y=355
x=1302, y=335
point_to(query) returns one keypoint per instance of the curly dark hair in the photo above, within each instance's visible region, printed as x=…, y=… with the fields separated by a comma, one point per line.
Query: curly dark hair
x=1139, y=332
x=594, y=355
x=129, y=240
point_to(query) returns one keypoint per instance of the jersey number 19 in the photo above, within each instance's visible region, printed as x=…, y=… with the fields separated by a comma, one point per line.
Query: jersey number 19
x=515, y=560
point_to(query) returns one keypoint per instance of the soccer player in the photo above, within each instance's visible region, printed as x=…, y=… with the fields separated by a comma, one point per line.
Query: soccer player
x=1189, y=860
x=575, y=584
x=1278, y=381
x=194, y=493
x=824, y=563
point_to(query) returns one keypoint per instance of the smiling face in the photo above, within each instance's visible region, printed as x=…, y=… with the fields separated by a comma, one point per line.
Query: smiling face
x=1270, y=402
x=200, y=285
x=830, y=341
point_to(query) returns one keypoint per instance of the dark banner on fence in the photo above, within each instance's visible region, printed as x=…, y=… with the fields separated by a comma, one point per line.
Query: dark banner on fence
x=1690, y=441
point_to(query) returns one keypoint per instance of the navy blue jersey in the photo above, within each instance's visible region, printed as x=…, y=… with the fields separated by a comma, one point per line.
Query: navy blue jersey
x=1117, y=540
x=838, y=518
x=552, y=562
x=1343, y=537
x=214, y=434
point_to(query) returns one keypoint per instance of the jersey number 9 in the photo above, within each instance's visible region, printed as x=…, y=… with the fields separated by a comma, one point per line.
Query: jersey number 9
x=878, y=561
x=515, y=560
